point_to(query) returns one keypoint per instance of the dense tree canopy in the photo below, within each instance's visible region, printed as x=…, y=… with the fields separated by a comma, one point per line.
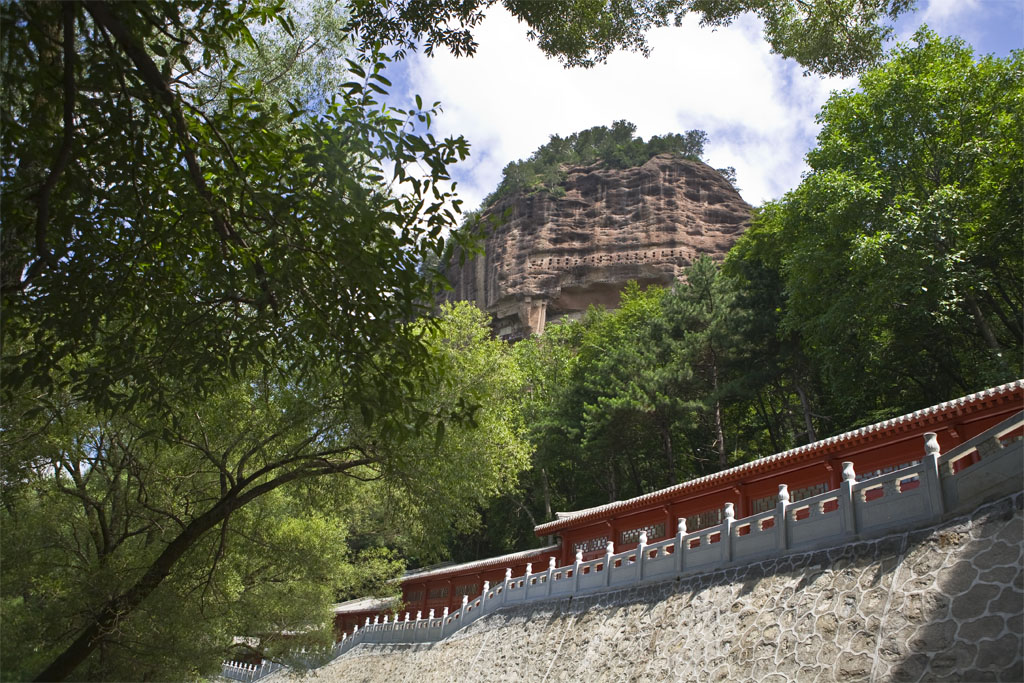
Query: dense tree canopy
x=206, y=280
x=615, y=147
x=148, y=235
x=894, y=252
x=826, y=36
x=150, y=541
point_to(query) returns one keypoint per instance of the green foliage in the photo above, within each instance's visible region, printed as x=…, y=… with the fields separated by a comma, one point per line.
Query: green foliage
x=206, y=241
x=98, y=502
x=450, y=471
x=832, y=37
x=615, y=147
x=219, y=520
x=206, y=279
x=914, y=197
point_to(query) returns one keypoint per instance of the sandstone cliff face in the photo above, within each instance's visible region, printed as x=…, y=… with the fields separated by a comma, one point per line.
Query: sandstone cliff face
x=549, y=256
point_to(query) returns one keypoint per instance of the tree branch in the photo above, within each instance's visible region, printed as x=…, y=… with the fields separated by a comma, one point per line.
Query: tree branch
x=102, y=13
x=64, y=153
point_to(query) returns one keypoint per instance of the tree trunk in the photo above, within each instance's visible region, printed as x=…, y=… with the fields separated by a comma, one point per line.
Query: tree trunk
x=546, y=490
x=719, y=431
x=806, y=408
x=983, y=326
x=670, y=460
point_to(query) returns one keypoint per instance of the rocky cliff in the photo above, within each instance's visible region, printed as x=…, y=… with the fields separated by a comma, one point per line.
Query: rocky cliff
x=548, y=255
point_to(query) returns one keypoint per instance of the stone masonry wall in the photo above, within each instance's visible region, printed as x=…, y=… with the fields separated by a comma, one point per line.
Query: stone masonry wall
x=945, y=603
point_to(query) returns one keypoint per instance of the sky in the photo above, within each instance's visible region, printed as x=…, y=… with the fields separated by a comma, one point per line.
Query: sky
x=757, y=108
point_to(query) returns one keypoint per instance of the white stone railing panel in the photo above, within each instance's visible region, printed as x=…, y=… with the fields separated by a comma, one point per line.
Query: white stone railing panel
x=755, y=537
x=998, y=451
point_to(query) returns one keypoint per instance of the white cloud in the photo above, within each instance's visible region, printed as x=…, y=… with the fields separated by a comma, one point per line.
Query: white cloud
x=757, y=108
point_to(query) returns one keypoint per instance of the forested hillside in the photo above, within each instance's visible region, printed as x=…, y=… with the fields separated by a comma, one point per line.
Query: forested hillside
x=889, y=280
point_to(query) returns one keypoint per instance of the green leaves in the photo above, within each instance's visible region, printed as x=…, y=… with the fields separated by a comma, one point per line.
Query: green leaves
x=888, y=248
x=614, y=147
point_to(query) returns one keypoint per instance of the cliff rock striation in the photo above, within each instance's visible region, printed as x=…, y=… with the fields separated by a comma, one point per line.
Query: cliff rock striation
x=549, y=255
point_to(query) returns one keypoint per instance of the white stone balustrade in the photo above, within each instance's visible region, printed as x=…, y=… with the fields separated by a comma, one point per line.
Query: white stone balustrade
x=911, y=497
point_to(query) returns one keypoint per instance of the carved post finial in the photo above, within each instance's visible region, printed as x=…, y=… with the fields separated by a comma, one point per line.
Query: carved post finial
x=579, y=555
x=783, y=494
x=430, y=614
x=419, y=614
x=385, y=620
x=508, y=574
x=931, y=443
x=551, y=562
x=529, y=568
x=848, y=473
x=643, y=538
x=407, y=617
x=465, y=599
x=487, y=586
x=681, y=527
x=367, y=624
x=444, y=614
x=610, y=548
x=730, y=511
x=376, y=620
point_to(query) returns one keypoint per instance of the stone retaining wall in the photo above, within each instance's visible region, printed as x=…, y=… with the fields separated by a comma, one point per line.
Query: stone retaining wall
x=944, y=603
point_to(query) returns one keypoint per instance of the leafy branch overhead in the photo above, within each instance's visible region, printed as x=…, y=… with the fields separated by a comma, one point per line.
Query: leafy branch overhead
x=829, y=37
x=166, y=235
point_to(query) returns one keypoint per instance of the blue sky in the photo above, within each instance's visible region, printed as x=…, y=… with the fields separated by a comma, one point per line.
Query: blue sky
x=757, y=108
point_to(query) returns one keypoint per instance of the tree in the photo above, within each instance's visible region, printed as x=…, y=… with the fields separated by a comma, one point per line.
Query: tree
x=429, y=506
x=173, y=261
x=893, y=251
x=242, y=513
x=826, y=36
x=148, y=238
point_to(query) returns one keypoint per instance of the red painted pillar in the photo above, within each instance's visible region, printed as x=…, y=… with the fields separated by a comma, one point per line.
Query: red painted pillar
x=835, y=478
x=742, y=505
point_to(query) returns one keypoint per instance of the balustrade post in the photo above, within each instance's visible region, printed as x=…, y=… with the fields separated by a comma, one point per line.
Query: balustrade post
x=931, y=479
x=576, y=570
x=462, y=611
x=641, y=550
x=508, y=582
x=430, y=615
x=726, y=533
x=781, y=523
x=483, y=595
x=609, y=550
x=444, y=621
x=551, y=573
x=846, y=502
x=680, y=532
